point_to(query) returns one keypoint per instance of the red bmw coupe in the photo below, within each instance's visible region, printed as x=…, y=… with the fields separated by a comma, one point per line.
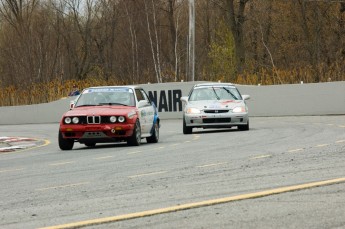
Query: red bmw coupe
x=110, y=114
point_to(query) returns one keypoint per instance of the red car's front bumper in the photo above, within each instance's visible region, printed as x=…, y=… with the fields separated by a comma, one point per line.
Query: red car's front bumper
x=96, y=131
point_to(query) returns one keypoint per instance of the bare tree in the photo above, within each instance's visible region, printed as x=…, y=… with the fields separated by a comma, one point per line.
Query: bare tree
x=155, y=53
x=108, y=39
x=173, y=32
x=236, y=21
x=133, y=44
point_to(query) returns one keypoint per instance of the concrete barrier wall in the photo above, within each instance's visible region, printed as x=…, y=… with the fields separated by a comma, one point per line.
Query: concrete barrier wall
x=297, y=99
x=276, y=100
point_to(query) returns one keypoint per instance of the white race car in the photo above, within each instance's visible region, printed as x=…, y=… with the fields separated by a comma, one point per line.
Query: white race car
x=215, y=105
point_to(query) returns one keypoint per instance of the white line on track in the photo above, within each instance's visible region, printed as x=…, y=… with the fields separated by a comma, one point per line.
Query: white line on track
x=105, y=157
x=196, y=137
x=176, y=144
x=62, y=186
x=295, y=150
x=322, y=145
x=134, y=152
x=210, y=165
x=62, y=163
x=147, y=174
x=261, y=156
x=11, y=170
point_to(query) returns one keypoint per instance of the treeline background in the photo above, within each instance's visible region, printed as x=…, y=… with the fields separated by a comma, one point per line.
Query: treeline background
x=46, y=46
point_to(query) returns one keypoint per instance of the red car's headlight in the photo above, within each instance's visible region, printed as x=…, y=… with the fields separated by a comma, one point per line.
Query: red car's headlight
x=112, y=119
x=75, y=120
x=121, y=119
x=67, y=120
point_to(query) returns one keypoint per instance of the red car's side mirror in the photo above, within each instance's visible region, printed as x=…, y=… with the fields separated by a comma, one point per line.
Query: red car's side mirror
x=71, y=105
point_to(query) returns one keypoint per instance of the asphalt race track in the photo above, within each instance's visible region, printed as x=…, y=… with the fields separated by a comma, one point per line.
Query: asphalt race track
x=285, y=172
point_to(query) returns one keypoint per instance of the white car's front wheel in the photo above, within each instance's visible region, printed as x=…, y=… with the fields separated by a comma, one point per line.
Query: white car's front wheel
x=244, y=127
x=186, y=129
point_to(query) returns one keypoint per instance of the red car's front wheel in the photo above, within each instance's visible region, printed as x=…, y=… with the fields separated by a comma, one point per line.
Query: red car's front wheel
x=65, y=144
x=135, y=139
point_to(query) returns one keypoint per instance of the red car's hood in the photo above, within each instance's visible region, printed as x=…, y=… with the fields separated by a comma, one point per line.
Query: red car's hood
x=99, y=110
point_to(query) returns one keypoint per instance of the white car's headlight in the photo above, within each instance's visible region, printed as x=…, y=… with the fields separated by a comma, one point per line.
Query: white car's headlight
x=131, y=114
x=112, y=119
x=68, y=120
x=192, y=110
x=121, y=119
x=75, y=120
x=239, y=110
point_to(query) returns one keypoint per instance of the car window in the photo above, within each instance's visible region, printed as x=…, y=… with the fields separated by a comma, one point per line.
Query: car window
x=125, y=97
x=106, y=96
x=140, y=95
x=205, y=93
x=214, y=93
x=229, y=93
x=145, y=96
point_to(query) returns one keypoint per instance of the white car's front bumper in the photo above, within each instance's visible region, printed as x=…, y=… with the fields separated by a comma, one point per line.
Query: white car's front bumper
x=214, y=120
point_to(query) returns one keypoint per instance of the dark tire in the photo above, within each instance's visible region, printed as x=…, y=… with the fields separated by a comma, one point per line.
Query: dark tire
x=90, y=144
x=155, y=135
x=186, y=129
x=244, y=127
x=135, y=139
x=65, y=144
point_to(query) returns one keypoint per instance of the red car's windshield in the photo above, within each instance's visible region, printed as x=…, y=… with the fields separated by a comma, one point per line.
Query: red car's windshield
x=106, y=96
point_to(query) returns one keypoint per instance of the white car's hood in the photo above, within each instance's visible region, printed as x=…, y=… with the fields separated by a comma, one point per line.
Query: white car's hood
x=216, y=104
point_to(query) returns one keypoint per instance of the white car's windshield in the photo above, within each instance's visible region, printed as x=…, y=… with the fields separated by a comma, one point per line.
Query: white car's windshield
x=106, y=96
x=215, y=93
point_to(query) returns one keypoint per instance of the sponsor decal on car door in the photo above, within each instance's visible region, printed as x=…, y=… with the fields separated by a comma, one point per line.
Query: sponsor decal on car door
x=144, y=111
x=149, y=112
x=143, y=119
x=150, y=117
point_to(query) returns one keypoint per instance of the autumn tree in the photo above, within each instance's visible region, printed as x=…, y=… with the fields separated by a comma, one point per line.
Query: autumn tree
x=236, y=18
x=222, y=64
x=140, y=41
